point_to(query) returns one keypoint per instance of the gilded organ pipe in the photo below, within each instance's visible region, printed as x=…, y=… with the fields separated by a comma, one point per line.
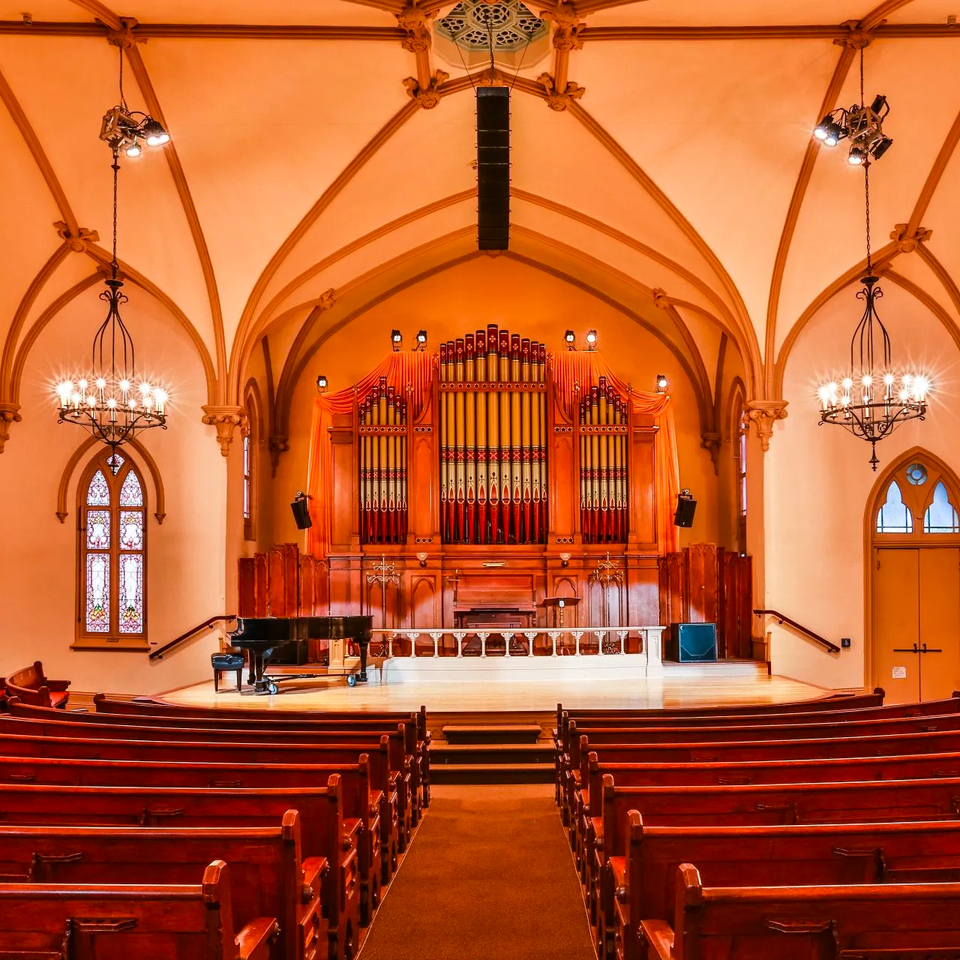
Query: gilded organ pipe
x=604, y=433
x=383, y=466
x=493, y=439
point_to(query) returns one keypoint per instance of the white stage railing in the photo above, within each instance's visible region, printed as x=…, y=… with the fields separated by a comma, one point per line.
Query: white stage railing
x=610, y=642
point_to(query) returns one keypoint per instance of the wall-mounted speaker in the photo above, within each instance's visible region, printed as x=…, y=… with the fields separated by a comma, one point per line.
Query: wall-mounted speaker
x=686, y=508
x=301, y=513
x=493, y=168
x=691, y=643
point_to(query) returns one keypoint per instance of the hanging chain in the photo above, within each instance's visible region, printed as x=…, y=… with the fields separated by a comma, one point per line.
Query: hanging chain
x=866, y=174
x=116, y=172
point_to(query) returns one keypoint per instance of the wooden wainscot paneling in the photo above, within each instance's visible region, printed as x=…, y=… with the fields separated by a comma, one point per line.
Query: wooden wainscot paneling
x=703, y=583
x=345, y=528
x=313, y=587
x=345, y=596
x=642, y=476
x=246, y=587
x=283, y=582
x=673, y=595
x=643, y=590
x=261, y=592
x=424, y=602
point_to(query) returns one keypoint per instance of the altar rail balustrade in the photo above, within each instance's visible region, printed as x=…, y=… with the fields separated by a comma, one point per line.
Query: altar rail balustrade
x=600, y=642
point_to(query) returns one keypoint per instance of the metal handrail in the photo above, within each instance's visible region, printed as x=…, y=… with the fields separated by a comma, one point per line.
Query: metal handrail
x=158, y=654
x=826, y=644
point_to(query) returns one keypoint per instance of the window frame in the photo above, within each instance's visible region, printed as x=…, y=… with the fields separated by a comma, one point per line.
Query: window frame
x=113, y=639
x=917, y=500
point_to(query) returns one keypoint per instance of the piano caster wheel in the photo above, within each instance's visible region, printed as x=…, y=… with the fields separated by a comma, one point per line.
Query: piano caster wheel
x=273, y=688
x=351, y=681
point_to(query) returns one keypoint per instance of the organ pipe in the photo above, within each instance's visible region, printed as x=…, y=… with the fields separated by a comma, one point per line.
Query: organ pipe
x=383, y=466
x=604, y=432
x=493, y=439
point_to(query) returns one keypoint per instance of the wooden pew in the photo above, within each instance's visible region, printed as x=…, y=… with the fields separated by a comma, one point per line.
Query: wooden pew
x=399, y=760
x=641, y=884
x=148, y=922
x=869, y=922
x=31, y=685
x=325, y=831
x=378, y=858
x=938, y=741
x=268, y=875
x=756, y=805
x=161, y=710
x=405, y=756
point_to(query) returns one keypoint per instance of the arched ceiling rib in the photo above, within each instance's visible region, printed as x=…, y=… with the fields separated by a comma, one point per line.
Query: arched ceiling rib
x=298, y=154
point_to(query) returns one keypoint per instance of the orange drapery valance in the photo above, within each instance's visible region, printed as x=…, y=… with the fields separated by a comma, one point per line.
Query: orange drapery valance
x=411, y=375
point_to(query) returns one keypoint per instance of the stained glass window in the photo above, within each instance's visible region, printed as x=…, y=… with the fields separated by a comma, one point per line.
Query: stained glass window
x=131, y=593
x=131, y=530
x=941, y=515
x=98, y=493
x=112, y=543
x=98, y=592
x=131, y=493
x=917, y=474
x=98, y=529
x=894, y=516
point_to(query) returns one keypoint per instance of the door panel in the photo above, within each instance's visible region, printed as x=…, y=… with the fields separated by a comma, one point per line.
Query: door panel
x=896, y=620
x=940, y=621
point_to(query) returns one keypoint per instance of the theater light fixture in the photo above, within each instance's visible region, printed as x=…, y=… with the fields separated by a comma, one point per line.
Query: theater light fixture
x=421, y=341
x=862, y=124
x=662, y=383
x=591, y=339
x=322, y=383
x=396, y=338
x=570, y=339
x=872, y=399
x=128, y=130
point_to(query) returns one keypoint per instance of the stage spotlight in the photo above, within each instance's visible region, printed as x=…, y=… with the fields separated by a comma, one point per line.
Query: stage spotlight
x=396, y=338
x=856, y=157
x=879, y=147
x=322, y=383
x=591, y=339
x=662, y=383
x=570, y=339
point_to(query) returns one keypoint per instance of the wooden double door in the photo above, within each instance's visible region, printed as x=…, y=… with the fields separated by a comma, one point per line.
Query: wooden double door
x=916, y=622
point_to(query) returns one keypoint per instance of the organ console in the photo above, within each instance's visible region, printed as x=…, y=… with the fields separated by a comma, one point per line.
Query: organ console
x=264, y=637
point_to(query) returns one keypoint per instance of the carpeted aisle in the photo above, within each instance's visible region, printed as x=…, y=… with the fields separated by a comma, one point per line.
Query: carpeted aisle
x=488, y=875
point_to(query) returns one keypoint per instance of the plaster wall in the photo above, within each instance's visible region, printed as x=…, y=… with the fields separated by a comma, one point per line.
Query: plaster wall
x=818, y=483
x=38, y=554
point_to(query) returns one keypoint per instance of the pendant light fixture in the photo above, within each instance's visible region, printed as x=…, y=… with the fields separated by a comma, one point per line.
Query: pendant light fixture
x=872, y=399
x=110, y=400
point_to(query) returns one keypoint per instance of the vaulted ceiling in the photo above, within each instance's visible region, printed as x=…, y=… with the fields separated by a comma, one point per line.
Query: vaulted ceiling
x=322, y=157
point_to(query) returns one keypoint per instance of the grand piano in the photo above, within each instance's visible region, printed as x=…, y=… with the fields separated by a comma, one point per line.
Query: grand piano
x=286, y=639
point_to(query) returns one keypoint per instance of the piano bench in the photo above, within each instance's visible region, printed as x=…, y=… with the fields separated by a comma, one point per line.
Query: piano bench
x=224, y=663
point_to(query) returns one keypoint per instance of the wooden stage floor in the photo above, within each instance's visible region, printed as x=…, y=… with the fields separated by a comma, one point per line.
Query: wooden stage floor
x=533, y=697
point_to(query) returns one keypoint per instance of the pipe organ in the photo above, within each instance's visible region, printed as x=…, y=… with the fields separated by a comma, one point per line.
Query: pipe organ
x=491, y=475
x=493, y=456
x=603, y=465
x=382, y=435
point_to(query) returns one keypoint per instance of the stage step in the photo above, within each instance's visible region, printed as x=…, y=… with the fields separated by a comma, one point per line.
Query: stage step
x=492, y=733
x=493, y=773
x=492, y=753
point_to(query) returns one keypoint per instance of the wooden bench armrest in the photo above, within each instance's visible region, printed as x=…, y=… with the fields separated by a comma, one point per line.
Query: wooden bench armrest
x=597, y=824
x=658, y=935
x=618, y=872
x=376, y=802
x=254, y=940
x=57, y=686
x=314, y=870
x=353, y=828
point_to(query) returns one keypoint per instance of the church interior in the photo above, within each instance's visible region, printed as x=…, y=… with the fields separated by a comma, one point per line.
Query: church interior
x=458, y=552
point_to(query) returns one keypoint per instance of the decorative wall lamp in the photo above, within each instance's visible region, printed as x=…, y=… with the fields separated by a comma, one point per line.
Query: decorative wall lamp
x=663, y=383
x=564, y=559
x=422, y=557
x=396, y=340
x=591, y=339
x=322, y=383
x=421, y=341
x=570, y=339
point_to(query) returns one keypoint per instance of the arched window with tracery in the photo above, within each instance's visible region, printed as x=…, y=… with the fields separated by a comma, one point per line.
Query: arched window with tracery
x=918, y=503
x=113, y=560
x=250, y=448
x=738, y=436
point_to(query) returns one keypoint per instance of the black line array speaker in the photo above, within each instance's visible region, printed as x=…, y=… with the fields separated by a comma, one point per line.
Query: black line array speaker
x=692, y=643
x=301, y=513
x=493, y=168
x=686, y=508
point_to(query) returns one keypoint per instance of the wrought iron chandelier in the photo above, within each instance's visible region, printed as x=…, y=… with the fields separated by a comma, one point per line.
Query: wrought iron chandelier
x=872, y=399
x=110, y=400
